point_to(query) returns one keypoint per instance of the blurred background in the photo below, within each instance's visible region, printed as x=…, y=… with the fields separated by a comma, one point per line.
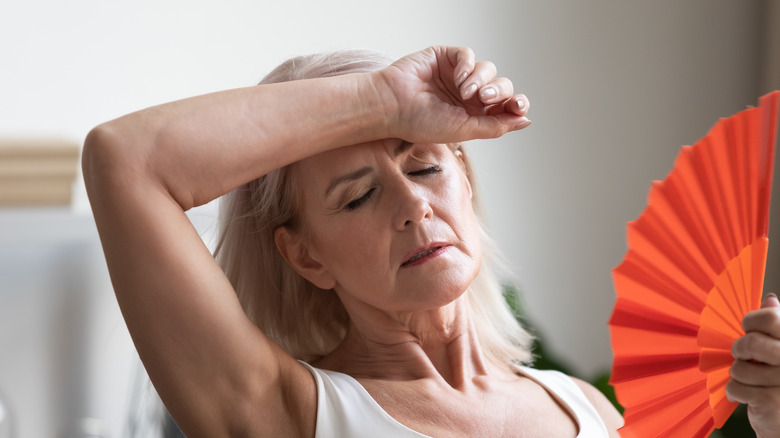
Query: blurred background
x=616, y=87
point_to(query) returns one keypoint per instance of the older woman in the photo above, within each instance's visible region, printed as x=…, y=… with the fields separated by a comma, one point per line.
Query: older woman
x=352, y=297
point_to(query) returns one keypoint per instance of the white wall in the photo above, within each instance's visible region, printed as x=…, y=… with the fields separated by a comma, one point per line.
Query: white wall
x=616, y=87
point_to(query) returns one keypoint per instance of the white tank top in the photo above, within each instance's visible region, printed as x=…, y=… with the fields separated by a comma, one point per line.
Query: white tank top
x=346, y=410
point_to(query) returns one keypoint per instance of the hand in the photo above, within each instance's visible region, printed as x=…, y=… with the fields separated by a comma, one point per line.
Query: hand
x=755, y=374
x=442, y=95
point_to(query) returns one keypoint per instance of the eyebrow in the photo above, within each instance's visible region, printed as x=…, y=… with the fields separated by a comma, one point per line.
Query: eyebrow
x=352, y=176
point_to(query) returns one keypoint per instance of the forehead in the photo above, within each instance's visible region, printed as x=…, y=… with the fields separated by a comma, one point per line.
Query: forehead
x=340, y=159
x=322, y=168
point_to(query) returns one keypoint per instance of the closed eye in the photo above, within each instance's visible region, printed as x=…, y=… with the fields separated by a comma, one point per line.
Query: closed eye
x=356, y=203
x=427, y=171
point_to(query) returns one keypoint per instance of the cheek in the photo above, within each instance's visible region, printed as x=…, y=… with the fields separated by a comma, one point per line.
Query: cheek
x=350, y=249
x=455, y=200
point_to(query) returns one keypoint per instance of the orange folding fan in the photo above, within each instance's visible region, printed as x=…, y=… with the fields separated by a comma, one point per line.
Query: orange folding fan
x=694, y=267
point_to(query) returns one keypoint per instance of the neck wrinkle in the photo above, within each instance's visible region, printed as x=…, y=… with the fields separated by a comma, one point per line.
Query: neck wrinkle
x=440, y=345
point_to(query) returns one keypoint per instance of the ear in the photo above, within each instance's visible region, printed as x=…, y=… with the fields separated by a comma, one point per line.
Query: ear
x=464, y=169
x=295, y=251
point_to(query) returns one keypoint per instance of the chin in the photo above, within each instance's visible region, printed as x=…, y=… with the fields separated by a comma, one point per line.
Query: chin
x=449, y=287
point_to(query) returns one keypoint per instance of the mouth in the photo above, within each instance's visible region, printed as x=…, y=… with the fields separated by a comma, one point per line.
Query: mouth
x=425, y=254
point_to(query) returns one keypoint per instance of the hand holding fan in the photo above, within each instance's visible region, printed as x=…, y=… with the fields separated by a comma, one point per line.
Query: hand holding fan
x=694, y=268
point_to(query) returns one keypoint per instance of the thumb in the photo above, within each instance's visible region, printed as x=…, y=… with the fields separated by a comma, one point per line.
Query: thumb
x=770, y=301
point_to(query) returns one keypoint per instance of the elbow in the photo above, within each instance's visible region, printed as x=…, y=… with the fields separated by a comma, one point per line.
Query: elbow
x=119, y=159
x=127, y=156
x=105, y=158
x=96, y=142
x=94, y=156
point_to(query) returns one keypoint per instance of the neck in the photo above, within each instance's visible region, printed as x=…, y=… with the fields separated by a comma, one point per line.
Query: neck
x=439, y=343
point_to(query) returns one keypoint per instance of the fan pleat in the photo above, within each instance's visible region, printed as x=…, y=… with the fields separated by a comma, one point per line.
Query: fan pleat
x=678, y=411
x=695, y=266
x=685, y=205
x=724, y=186
x=636, y=392
x=640, y=270
x=738, y=132
x=695, y=182
x=633, y=314
x=641, y=339
x=752, y=183
x=633, y=367
x=710, y=360
x=650, y=236
x=721, y=406
x=666, y=215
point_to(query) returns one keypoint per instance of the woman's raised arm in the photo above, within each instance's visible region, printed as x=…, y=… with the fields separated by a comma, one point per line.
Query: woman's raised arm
x=216, y=372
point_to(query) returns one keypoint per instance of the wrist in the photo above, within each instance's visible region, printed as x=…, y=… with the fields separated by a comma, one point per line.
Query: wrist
x=385, y=101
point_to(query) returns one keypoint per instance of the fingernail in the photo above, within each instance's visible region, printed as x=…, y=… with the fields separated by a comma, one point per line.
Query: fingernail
x=461, y=77
x=524, y=123
x=470, y=90
x=487, y=93
x=520, y=102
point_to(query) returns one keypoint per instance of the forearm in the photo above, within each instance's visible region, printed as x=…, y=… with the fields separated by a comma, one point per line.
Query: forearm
x=200, y=148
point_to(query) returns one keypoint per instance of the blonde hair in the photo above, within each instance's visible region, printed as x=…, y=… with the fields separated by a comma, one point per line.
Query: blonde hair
x=304, y=320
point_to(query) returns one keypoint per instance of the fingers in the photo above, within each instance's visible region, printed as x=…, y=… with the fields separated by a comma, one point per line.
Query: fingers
x=478, y=78
x=496, y=90
x=762, y=341
x=521, y=105
x=474, y=86
x=765, y=320
x=484, y=72
x=770, y=301
x=464, y=61
x=516, y=105
x=497, y=94
x=757, y=346
x=506, y=122
x=755, y=374
x=759, y=398
x=483, y=84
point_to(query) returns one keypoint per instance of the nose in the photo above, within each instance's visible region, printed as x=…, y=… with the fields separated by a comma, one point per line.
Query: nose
x=411, y=206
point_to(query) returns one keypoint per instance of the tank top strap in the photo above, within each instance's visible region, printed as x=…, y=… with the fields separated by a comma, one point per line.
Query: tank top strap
x=346, y=410
x=570, y=396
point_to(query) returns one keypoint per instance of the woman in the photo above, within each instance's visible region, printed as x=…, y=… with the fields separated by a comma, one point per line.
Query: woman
x=373, y=208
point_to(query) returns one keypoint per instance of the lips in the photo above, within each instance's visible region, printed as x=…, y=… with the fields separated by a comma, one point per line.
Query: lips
x=422, y=254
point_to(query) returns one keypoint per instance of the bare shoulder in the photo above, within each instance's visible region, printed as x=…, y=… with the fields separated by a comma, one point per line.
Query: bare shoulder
x=612, y=418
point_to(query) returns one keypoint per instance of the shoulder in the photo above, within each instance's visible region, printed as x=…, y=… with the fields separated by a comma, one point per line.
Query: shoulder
x=611, y=417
